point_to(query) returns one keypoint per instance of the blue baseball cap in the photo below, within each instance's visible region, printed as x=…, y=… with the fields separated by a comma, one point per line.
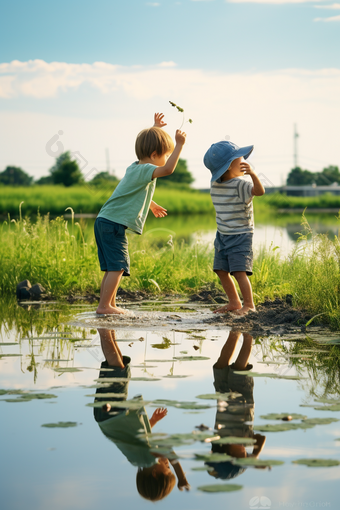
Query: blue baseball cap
x=220, y=156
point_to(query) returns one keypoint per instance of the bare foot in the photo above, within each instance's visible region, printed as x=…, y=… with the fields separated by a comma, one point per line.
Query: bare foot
x=228, y=308
x=110, y=310
x=244, y=310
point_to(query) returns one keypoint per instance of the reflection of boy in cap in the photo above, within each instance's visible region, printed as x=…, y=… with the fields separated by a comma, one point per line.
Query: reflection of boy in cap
x=232, y=197
x=236, y=418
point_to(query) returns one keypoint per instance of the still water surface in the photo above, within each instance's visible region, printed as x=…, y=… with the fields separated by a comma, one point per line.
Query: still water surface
x=94, y=463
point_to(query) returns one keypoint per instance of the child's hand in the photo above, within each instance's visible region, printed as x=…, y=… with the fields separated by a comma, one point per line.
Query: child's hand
x=158, y=210
x=180, y=137
x=183, y=484
x=159, y=120
x=158, y=415
x=247, y=168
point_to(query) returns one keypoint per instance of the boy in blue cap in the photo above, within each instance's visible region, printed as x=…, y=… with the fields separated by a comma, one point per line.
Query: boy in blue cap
x=232, y=197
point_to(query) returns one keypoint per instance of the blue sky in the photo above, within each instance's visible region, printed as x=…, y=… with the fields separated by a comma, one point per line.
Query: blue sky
x=248, y=70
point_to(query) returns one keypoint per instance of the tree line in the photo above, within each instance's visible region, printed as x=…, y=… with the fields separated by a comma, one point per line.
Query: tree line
x=327, y=177
x=66, y=172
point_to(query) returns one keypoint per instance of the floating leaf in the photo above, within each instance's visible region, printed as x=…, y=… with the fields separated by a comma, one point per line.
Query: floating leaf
x=234, y=440
x=319, y=421
x=60, y=424
x=123, y=404
x=8, y=343
x=26, y=397
x=219, y=396
x=190, y=358
x=108, y=395
x=226, y=487
x=328, y=408
x=252, y=461
x=213, y=457
x=282, y=427
x=273, y=376
x=317, y=462
x=67, y=369
x=202, y=468
x=160, y=360
x=281, y=416
x=175, y=376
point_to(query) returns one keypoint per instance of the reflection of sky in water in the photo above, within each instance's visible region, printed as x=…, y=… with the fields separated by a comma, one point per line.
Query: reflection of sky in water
x=80, y=468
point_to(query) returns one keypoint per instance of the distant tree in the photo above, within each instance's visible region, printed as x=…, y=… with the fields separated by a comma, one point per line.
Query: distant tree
x=181, y=175
x=332, y=173
x=48, y=179
x=103, y=178
x=15, y=176
x=66, y=171
x=299, y=177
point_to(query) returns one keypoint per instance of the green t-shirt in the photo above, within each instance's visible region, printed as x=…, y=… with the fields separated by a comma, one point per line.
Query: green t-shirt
x=129, y=203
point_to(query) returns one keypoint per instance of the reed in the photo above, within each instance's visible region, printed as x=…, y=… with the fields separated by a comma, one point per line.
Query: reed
x=62, y=256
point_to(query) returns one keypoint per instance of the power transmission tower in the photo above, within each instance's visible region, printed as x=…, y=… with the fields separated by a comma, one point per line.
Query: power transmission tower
x=295, y=138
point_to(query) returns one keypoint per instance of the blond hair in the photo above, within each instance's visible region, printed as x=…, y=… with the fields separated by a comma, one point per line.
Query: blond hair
x=151, y=140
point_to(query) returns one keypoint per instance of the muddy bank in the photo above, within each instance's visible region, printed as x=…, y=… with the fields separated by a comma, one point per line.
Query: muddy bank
x=277, y=317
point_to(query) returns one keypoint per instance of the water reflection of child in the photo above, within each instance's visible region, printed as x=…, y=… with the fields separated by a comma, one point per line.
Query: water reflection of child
x=235, y=418
x=122, y=426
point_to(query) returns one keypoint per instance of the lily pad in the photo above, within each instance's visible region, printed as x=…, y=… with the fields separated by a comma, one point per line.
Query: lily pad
x=270, y=375
x=8, y=343
x=324, y=400
x=219, y=396
x=234, y=440
x=175, y=376
x=320, y=421
x=67, y=369
x=160, y=360
x=317, y=462
x=213, y=457
x=202, y=468
x=328, y=408
x=280, y=416
x=27, y=397
x=107, y=395
x=60, y=424
x=190, y=358
x=226, y=487
x=252, y=461
x=282, y=427
x=123, y=404
x=179, y=404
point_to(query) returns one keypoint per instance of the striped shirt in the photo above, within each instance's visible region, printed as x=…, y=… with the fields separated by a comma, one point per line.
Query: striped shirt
x=233, y=202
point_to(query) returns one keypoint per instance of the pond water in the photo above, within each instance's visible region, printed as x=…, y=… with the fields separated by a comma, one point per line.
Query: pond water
x=270, y=231
x=61, y=449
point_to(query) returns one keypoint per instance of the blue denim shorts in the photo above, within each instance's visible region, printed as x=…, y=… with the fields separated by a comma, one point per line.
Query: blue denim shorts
x=233, y=253
x=112, y=246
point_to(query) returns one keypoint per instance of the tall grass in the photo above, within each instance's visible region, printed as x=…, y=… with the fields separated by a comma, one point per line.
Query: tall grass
x=58, y=255
x=84, y=199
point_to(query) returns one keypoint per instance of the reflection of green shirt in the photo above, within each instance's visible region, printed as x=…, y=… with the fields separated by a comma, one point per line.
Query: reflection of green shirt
x=129, y=203
x=123, y=429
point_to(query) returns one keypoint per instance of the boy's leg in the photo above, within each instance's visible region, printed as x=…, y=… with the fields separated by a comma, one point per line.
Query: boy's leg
x=231, y=291
x=228, y=350
x=108, y=291
x=246, y=291
x=242, y=359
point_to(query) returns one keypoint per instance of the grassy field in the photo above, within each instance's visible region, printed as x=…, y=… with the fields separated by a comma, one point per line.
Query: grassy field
x=56, y=254
x=83, y=199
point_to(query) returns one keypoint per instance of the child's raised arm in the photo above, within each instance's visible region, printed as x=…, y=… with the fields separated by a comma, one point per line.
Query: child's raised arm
x=170, y=165
x=158, y=118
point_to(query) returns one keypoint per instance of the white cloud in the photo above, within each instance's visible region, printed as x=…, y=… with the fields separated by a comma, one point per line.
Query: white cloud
x=328, y=6
x=327, y=20
x=168, y=64
x=102, y=105
x=153, y=4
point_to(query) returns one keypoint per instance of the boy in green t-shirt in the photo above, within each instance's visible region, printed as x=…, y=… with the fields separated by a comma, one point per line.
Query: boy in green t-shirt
x=129, y=204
